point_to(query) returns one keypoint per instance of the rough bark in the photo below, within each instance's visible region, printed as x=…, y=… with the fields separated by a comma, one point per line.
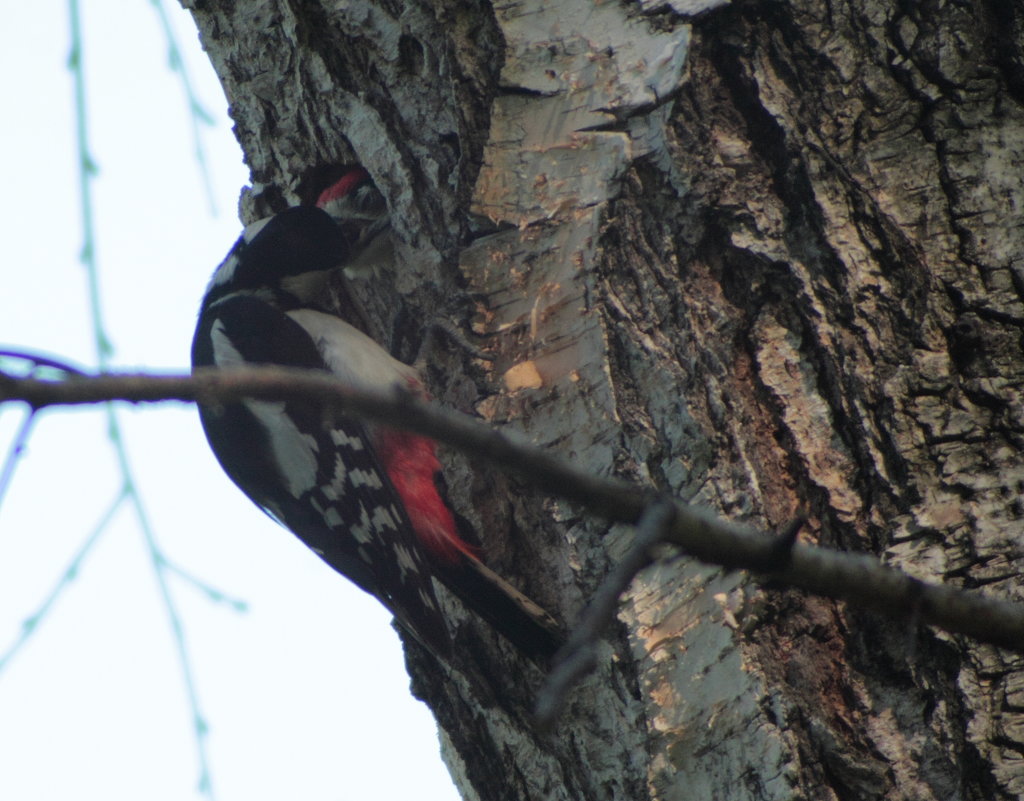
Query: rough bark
x=767, y=256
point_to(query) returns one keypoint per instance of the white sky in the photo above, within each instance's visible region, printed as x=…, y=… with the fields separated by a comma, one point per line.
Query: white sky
x=305, y=695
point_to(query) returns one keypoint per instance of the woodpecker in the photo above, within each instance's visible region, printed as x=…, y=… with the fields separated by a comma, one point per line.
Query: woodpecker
x=365, y=498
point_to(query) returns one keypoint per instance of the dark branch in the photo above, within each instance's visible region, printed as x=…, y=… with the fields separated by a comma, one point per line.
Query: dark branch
x=858, y=579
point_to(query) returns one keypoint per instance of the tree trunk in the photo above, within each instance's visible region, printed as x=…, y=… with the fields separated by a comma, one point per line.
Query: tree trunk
x=765, y=256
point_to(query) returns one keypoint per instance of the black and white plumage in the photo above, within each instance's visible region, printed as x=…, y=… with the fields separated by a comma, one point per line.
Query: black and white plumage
x=364, y=498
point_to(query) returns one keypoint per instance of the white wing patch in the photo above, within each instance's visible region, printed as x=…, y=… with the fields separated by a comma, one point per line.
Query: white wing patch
x=365, y=478
x=406, y=563
x=382, y=518
x=339, y=437
x=336, y=488
x=363, y=530
x=332, y=517
x=224, y=353
x=294, y=452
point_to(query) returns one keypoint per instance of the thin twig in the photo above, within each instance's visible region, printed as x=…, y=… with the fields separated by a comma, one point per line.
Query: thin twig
x=15, y=452
x=197, y=114
x=579, y=654
x=30, y=625
x=104, y=350
x=41, y=360
x=211, y=592
x=17, y=449
x=783, y=545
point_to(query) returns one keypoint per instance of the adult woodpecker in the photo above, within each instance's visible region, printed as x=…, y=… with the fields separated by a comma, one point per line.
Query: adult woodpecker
x=363, y=497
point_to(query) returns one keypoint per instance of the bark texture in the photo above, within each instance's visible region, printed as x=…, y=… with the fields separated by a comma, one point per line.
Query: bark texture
x=767, y=256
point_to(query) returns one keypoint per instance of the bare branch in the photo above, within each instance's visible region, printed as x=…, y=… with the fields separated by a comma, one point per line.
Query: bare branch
x=858, y=579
